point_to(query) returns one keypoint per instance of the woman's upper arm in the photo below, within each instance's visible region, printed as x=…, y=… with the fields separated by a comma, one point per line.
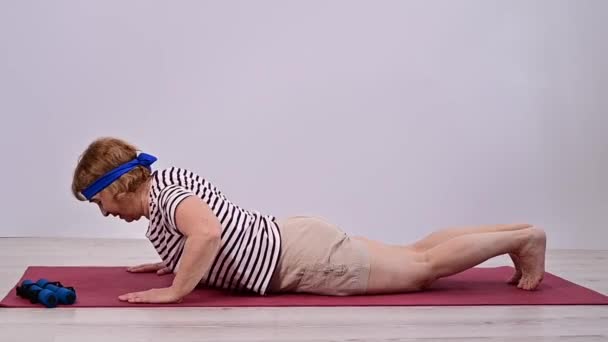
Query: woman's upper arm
x=194, y=217
x=187, y=213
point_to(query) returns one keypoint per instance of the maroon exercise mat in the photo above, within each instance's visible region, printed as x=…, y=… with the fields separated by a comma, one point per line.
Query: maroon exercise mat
x=101, y=286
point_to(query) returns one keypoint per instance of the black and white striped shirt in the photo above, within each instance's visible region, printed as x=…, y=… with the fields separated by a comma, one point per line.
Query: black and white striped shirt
x=250, y=241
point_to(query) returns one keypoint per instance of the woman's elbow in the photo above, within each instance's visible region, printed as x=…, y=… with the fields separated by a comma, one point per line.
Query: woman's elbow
x=211, y=234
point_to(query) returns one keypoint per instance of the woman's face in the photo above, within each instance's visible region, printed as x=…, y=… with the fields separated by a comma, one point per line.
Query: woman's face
x=126, y=207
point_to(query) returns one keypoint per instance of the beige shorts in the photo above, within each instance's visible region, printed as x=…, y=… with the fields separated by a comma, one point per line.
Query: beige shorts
x=317, y=257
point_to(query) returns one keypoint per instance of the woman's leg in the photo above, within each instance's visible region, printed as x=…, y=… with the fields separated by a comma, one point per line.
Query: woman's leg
x=528, y=245
x=400, y=269
x=440, y=236
x=443, y=235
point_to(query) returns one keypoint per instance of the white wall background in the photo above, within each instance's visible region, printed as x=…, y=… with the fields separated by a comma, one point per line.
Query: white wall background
x=390, y=118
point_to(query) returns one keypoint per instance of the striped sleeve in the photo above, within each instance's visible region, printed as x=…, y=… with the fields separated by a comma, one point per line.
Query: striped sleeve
x=169, y=198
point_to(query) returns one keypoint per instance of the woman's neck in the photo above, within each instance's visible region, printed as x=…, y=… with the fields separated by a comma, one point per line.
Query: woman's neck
x=144, y=198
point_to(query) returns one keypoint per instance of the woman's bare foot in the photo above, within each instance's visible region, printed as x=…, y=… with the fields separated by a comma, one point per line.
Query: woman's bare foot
x=531, y=259
x=517, y=275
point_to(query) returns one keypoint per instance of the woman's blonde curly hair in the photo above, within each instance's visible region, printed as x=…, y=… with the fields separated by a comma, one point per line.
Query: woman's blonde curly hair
x=102, y=156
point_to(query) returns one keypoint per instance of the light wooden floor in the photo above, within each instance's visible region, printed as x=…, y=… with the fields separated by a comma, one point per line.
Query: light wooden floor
x=505, y=323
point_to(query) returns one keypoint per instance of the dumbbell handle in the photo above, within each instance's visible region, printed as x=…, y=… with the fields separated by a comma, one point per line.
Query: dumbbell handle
x=66, y=295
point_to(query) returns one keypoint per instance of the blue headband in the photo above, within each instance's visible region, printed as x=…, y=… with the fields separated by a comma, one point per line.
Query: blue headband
x=142, y=159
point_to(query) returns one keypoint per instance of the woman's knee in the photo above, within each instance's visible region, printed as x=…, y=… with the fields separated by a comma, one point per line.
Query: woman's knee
x=399, y=270
x=424, y=270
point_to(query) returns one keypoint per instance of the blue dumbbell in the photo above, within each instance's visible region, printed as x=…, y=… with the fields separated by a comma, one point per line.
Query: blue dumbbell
x=65, y=295
x=37, y=294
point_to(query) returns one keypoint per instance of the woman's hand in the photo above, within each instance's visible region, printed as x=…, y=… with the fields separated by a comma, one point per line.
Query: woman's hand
x=163, y=296
x=158, y=267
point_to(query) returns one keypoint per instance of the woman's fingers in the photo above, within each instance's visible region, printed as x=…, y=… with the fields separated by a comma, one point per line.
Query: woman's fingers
x=146, y=268
x=140, y=268
x=163, y=271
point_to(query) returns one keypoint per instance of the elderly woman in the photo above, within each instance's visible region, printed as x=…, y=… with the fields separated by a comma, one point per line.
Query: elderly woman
x=205, y=239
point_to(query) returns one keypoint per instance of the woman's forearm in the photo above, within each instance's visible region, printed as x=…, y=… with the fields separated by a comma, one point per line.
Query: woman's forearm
x=199, y=252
